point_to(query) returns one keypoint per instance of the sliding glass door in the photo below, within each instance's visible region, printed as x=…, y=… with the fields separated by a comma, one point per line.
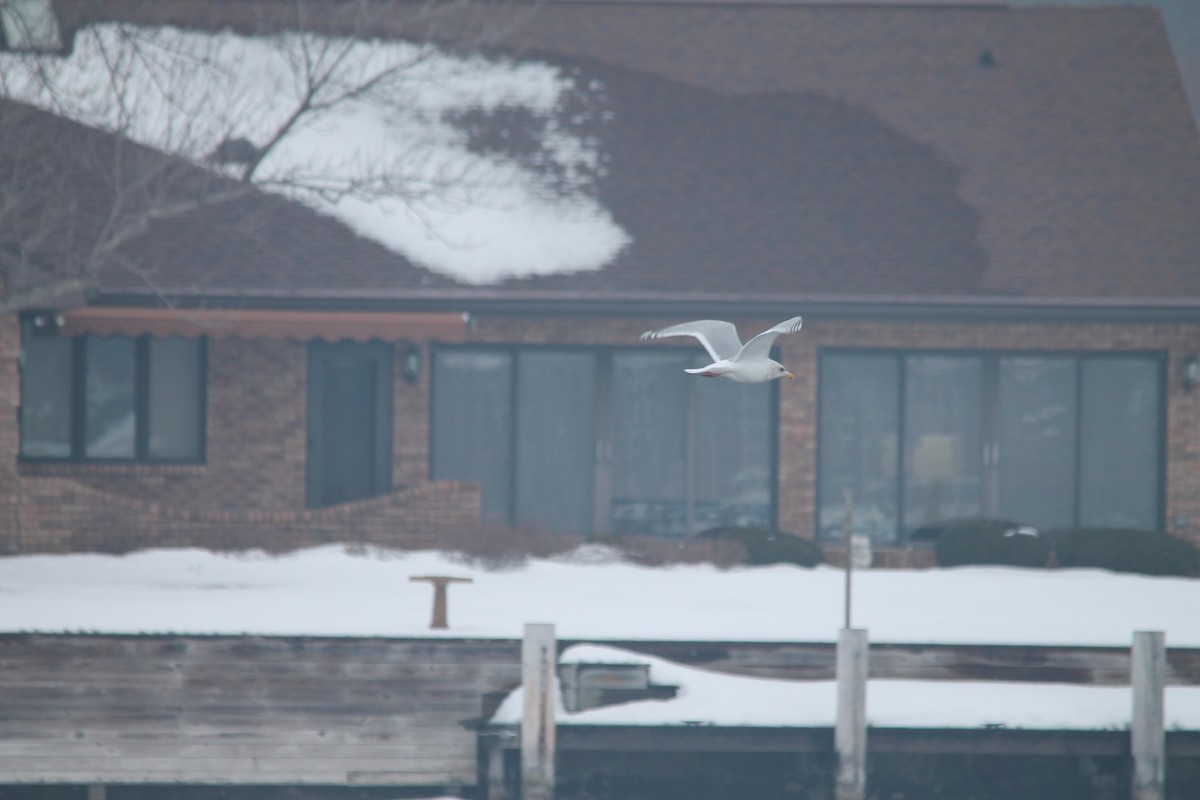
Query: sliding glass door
x=556, y=439
x=1034, y=456
x=651, y=449
x=1120, y=442
x=1052, y=440
x=603, y=440
x=943, y=417
x=859, y=442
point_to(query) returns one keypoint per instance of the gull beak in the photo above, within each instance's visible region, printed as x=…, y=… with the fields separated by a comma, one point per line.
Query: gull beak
x=789, y=375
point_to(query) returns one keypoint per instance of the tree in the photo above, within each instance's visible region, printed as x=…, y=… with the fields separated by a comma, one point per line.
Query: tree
x=145, y=123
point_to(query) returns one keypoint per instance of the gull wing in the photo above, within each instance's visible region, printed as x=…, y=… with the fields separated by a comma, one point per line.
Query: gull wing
x=760, y=346
x=719, y=338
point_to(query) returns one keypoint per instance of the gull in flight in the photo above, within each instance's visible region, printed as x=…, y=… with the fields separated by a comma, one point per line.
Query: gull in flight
x=744, y=363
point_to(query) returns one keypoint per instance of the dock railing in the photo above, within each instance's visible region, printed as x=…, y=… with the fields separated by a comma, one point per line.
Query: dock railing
x=1146, y=667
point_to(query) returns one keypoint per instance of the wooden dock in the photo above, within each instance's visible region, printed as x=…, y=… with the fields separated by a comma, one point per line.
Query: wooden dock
x=246, y=710
x=255, y=710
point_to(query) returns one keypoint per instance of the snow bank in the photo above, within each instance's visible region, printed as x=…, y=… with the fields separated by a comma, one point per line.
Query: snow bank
x=333, y=591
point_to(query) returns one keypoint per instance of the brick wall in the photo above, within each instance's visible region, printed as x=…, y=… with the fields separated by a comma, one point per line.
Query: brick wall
x=251, y=490
x=66, y=515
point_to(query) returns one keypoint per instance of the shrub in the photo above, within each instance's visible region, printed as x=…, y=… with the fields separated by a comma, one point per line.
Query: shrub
x=766, y=546
x=500, y=547
x=657, y=551
x=1127, y=550
x=989, y=541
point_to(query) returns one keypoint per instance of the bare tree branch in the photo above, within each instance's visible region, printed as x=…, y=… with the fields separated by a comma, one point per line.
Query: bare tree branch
x=160, y=124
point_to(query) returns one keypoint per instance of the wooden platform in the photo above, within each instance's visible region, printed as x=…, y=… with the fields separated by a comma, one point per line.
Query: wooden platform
x=257, y=710
x=746, y=739
x=246, y=710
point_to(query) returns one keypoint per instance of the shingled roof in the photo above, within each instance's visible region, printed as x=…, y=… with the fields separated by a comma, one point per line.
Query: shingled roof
x=816, y=154
x=253, y=245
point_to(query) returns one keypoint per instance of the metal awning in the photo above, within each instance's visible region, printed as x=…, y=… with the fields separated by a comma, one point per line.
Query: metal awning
x=265, y=324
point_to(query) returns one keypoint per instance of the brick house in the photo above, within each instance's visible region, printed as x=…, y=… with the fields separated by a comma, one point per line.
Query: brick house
x=987, y=216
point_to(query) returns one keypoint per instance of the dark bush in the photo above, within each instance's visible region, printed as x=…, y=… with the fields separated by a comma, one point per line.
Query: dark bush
x=502, y=547
x=657, y=551
x=1127, y=550
x=766, y=546
x=989, y=541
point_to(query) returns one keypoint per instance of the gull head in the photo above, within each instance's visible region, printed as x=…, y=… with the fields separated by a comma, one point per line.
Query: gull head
x=777, y=370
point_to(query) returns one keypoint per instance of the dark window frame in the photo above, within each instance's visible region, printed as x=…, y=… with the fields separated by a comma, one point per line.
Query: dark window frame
x=991, y=360
x=77, y=412
x=604, y=363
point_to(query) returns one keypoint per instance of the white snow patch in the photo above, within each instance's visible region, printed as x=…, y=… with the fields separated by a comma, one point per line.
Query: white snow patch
x=588, y=594
x=592, y=595
x=710, y=698
x=474, y=217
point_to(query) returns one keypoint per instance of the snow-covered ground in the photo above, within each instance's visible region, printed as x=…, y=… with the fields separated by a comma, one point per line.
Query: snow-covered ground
x=588, y=594
x=592, y=594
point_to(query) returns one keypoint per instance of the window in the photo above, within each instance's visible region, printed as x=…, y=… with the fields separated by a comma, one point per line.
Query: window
x=1051, y=440
x=603, y=441
x=112, y=398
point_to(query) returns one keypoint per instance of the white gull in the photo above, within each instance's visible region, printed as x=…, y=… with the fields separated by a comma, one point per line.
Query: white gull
x=744, y=363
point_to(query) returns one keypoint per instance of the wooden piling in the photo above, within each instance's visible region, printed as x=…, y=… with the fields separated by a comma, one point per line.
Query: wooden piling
x=848, y=595
x=495, y=773
x=1146, y=730
x=539, y=660
x=850, y=730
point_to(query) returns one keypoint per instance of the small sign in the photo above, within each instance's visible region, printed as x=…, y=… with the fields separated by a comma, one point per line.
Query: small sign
x=860, y=551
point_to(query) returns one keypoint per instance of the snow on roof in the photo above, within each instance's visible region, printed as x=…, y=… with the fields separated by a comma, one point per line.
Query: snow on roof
x=478, y=217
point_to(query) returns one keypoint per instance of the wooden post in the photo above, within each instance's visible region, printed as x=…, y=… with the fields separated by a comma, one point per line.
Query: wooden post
x=849, y=524
x=1146, y=730
x=496, y=775
x=539, y=660
x=440, y=617
x=850, y=731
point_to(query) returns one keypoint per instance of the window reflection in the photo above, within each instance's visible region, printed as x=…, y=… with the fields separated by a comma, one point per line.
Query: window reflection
x=650, y=475
x=112, y=397
x=556, y=441
x=731, y=433
x=1036, y=435
x=1120, y=443
x=175, y=396
x=603, y=441
x=857, y=447
x=472, y=424
x=46, y=397
x=942, y=439
x=1050, y=441
x=108, y=416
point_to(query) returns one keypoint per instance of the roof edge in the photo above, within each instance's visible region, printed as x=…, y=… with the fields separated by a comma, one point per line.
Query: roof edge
x=807, y=3
x=499, y=302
